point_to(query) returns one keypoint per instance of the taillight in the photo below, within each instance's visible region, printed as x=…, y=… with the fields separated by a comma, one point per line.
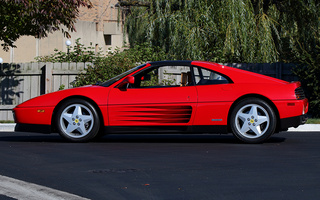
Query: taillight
x=299, y=93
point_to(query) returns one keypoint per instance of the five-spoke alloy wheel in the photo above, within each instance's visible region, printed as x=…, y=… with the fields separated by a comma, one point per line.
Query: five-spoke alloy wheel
x=253, y=120
x=77, y=120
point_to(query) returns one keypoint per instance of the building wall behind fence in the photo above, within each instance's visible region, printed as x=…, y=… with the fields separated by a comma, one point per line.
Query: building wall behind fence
x=23, y=81
x=20, y=82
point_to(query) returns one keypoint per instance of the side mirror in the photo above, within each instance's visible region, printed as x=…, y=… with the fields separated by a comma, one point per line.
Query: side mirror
x=129, y=79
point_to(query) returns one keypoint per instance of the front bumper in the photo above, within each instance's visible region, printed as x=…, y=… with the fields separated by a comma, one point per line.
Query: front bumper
x=36, y=128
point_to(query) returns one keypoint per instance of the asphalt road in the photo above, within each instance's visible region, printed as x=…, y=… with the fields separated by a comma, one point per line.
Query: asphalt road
x=167, y=166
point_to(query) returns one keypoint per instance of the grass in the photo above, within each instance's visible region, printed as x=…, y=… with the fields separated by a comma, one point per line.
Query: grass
x=313, y=121
x=6, y=121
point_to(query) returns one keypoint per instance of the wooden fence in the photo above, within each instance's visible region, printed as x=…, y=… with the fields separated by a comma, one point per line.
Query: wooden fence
x=20, y=82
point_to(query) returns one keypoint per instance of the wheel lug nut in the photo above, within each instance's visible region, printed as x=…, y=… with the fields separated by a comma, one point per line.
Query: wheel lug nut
x=77, y=116
x=253, y=124
x=80, y=120
x=248, y=119
x=78, y=124
x=249, y=123
x=74, y=123
x=252, y=117
x=73, y=119
x=256, y=120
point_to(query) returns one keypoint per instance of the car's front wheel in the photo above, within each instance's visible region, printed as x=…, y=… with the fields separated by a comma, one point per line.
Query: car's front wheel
x=253, y=120
x=77, y=120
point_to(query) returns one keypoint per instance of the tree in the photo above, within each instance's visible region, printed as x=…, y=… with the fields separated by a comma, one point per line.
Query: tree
x=36, y=18
x=226, y=30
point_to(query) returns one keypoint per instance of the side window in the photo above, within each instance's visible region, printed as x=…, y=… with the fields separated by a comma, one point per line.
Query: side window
x=163, y=76
x=207, y=77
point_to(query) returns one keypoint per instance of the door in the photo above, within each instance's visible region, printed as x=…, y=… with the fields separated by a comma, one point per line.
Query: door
x=161, y=96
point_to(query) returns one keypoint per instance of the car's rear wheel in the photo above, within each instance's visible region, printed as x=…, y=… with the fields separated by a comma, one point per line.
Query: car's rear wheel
x=253, y=120
x=77, y=120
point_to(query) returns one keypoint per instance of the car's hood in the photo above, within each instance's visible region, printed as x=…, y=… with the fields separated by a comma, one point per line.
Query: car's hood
x=94, y=92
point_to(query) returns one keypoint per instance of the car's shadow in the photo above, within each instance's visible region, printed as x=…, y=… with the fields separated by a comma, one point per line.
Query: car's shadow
x=178, y=138
x=136, y=138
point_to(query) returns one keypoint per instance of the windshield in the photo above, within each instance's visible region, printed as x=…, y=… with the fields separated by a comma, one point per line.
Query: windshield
x=120, y=76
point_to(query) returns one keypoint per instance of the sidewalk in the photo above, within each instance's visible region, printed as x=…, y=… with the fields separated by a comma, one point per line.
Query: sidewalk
x=306, y=128
x=7, y=127
x=302, y=128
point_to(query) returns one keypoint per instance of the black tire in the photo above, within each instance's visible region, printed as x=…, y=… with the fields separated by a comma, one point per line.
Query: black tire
x=253, y=120
x=77, y=120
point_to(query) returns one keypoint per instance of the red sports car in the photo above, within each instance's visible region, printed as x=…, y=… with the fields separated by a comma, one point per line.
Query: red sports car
x=170, y=97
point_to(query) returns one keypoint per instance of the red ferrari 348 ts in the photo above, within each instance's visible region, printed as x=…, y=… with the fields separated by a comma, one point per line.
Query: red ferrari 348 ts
x=170, y=97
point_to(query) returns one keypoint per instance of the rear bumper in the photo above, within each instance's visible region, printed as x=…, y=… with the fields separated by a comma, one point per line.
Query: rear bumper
x=292, y=122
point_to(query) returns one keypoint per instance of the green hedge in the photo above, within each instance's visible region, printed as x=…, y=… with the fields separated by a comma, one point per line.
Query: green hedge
x=105, y=66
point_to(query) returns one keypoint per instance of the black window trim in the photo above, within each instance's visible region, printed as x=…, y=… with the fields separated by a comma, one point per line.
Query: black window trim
x=158, y=64
x=201, y=75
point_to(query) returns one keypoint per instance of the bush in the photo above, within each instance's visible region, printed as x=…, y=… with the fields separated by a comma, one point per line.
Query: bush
x=77, y=53
x=309, y=75
x=118, y=62
x=105, y=66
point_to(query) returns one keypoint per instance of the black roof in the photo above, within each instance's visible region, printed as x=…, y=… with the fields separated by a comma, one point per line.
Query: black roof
x=172, y=62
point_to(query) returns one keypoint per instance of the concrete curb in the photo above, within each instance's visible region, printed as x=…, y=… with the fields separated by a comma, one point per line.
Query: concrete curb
x=7, y=127
x=306, y=128
x=302, y=128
